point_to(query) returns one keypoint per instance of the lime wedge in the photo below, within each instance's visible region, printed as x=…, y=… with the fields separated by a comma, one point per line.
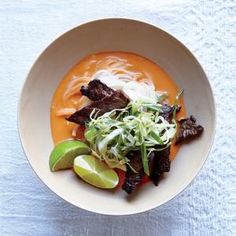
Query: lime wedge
x=95, y=172
x=64, y=153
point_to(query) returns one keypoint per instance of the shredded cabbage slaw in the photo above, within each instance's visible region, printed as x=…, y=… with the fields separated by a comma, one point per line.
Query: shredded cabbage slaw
x=138, y=126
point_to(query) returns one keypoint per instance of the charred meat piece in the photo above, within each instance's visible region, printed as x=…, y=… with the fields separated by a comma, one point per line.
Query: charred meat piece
x=96, y=90
x=159, y=163
x=167, y=112
x=109, y=103
x=81, y=116
x=188, y=129
x=115, y=101
x=132, y=179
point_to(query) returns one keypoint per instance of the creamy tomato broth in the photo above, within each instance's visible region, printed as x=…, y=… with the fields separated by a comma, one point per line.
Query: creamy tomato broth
x=67, y=98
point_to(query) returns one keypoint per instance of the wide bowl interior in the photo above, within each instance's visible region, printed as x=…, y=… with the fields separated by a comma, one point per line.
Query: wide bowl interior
x=114, y=35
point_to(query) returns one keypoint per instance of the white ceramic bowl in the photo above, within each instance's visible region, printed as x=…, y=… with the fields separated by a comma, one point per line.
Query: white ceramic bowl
x=114, y=35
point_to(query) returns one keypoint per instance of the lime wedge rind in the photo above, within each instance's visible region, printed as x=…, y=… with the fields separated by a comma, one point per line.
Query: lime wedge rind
x=95, y=172
x=64, y=153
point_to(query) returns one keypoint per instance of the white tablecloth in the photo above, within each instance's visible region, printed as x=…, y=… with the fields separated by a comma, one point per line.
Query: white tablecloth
x=207, y=207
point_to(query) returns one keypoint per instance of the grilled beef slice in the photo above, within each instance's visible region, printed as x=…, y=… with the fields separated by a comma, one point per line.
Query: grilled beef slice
x=96, y=90
x=132, y=179
x=167, y=112
x=188, y=129
x=105, y=100
x=159, y=163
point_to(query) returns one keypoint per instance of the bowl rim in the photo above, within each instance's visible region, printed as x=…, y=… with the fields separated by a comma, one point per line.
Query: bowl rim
x=187, y=183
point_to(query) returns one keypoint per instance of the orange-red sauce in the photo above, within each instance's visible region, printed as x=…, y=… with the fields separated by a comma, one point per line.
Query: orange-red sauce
x=67, y=94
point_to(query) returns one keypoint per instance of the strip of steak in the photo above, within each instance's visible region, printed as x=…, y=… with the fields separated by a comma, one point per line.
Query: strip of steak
x=96, y=90
x=159, y=163
x=188, y=129
x=115, y=101
x=132, y=179
x=167, y=112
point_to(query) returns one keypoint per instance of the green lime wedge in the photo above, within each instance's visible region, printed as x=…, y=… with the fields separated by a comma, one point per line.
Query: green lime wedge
x=64, y=153
x=95, y=172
